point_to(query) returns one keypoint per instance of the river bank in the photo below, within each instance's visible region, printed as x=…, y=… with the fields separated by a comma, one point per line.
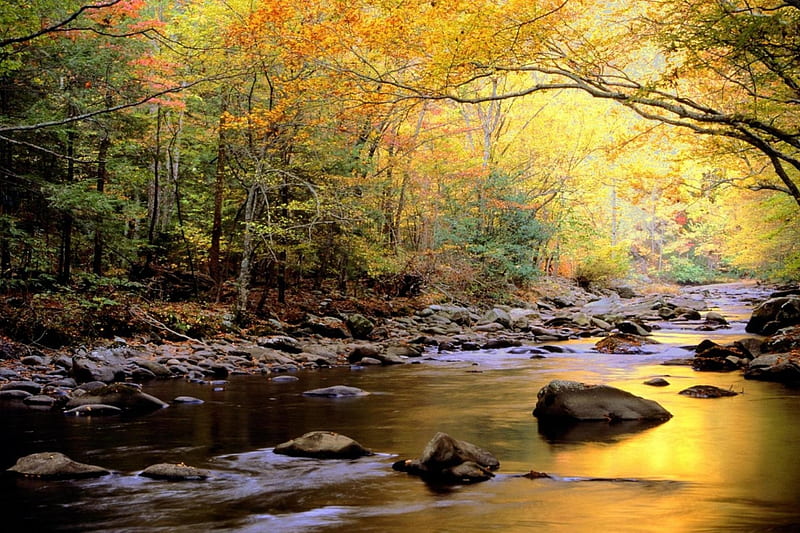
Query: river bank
x=53, y=378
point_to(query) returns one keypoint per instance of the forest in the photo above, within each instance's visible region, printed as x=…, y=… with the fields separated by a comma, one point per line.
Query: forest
x=238, y=152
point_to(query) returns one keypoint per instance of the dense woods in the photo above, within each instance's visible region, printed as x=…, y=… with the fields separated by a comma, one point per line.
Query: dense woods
x=236, y=151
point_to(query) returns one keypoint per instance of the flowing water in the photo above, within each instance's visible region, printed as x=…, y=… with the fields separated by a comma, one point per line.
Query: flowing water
x=728, y=464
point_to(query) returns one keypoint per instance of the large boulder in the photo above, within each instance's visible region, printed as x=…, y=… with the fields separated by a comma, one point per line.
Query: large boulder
x=774, y=314
x=359, y=325
x=573, y=401
x=323, y=445
x=450, y=460
x=125, y=396
x=54, y=465
x=85, y=369
x=783, y=368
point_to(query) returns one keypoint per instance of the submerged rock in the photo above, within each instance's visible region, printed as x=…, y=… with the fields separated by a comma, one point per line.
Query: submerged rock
x=323, y=445
x=125, y=396
x=174, y=472
x=621, y=343
x=570, y=400
x=54, y=465
x=707, y=391
x=97, y=409
x=336, y=391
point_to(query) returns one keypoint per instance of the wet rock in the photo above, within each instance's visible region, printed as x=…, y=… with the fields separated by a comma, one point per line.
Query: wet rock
x=782, y=368
x=157, y=369
x=657, y=382
x=123, y=395
x=14, y=394
x=174, y=472
x=570, y=400
x=632, y=328
x=707, y=391
x=27, y=386
x=54, y=465
x=40, y=400
x=360, y=352
x=716, y=318
x=711, y=356
x=395, y=351
x=774, y=314
x=85, y=369
x=187, y=400
x=444, y=451
x=94, y=410
x=323, y=445
x=336, y=391
x=501, y=342
x=449, y=460
x=621, y=343
x=284, y=379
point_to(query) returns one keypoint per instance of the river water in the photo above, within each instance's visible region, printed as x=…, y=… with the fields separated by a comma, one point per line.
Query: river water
x=729, y=464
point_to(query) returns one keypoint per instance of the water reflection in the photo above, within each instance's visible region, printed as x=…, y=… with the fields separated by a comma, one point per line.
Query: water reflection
x=594, y=431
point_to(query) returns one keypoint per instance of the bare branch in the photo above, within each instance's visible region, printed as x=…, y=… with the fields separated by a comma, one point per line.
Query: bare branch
x=57, y=26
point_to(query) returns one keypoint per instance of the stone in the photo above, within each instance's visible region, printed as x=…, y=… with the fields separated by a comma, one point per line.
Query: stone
x=707, y=391
x=40, y=400
x=85, y=369
x=54, y=465
x=782, y=368
x=191, y=400
x=570, y=400
x=621, y=343
x=282, y=343
x=336, y=391
x=632, y=328
x=174, y=472
x=157, y=369
x=27, y=386
x=449, y=460
x=328, y=326
x=657, y=382
x=497, y=315
x=323, y=445
x=123, y=395
x=359, y=325
x=716, y=318
x=284, y=379
x=97, y=409
x=443, y=451
x=774, y=314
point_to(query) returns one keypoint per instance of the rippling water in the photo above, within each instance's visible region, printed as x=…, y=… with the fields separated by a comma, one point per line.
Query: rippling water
x=728, y=464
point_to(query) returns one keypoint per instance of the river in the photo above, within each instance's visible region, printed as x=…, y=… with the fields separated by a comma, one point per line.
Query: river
x=728, y=464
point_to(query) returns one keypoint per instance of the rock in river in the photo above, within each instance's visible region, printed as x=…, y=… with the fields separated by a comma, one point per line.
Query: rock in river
x=707, y=391
x=450, y=460
x=174, y=472
x=126, y=397
x=569, y=400
x=336, y=391
x=323, y=445
x=54, y=465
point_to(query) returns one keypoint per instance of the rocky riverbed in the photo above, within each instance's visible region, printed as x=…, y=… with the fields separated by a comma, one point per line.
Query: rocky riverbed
x=73, y=379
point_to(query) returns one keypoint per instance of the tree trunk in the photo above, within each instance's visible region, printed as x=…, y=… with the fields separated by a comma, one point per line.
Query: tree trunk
x=155, y=192
x=65, y=251
x=102, y=175
x=214, y=266
x=248, y=247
